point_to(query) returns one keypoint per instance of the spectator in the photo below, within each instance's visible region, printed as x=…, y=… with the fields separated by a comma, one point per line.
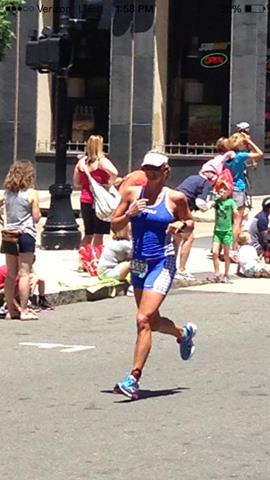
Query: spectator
x=258, y=227
x=245, y=149
x=196, y=189
x=37, y=282
x=251, y=265
x=115, y=258
x=104, y=172
x=226, y=214
x=21, y=213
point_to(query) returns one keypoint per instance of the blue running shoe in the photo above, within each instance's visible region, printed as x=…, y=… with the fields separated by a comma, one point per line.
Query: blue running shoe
x=128, y=387
x=187, y=347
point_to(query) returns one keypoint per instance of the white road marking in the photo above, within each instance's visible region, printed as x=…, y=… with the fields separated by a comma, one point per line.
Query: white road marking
x=63, y=348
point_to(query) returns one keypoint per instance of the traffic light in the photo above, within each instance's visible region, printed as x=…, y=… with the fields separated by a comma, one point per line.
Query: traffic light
x=52, y=51
x=48, y=53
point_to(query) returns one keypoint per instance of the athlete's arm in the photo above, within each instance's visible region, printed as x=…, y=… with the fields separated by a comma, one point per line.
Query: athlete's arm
x=130, y=206
x=185, y=223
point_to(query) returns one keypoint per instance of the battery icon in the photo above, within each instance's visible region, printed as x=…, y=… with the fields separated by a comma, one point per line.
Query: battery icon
x=254, y=8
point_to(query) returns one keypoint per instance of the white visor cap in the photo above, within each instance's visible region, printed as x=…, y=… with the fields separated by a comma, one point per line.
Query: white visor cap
x=155, y=159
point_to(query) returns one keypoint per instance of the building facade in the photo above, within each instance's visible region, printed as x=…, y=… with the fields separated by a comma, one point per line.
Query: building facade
x=156, y=73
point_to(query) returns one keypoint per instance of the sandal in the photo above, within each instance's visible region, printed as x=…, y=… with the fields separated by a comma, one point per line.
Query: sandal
x=29, y=315
x=225, y=279
x=214, y=279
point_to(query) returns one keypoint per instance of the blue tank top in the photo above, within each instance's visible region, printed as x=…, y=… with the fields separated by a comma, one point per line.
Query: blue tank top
x=150, y=242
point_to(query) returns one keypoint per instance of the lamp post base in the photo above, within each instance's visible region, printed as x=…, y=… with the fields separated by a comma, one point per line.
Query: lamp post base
x=61, y=231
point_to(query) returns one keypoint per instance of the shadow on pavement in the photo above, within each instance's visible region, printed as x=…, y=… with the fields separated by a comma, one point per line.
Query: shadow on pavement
x=145, y=394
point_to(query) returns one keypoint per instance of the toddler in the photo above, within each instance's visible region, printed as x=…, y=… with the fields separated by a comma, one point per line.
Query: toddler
x=250, y=264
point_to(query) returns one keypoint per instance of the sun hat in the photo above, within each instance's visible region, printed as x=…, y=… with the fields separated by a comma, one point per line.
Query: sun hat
x=155, y=159
x=243, y=126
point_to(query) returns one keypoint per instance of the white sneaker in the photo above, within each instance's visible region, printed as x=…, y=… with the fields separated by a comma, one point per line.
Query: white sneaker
x=184, y=275
x=130, y=291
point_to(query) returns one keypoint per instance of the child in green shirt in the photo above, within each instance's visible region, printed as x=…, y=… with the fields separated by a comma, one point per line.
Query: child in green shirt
x=226, y=214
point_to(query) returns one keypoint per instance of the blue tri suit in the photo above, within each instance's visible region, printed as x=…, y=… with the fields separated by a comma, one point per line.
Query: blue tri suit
x=153, y=264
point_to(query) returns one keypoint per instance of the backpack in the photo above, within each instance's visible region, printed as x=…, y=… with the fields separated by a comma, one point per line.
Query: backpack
x=224, y=178
x=217, y=163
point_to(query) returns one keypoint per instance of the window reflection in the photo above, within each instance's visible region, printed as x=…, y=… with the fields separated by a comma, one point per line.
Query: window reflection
x=198, y=71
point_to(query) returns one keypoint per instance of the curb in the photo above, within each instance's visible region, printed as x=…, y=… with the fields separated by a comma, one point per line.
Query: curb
x=82, y=294
x=77, y=295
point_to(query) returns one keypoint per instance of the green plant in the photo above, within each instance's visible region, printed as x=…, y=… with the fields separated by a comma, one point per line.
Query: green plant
x=6, y=33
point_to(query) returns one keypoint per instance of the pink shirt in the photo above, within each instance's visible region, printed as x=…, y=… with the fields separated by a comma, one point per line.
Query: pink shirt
x=100, y=176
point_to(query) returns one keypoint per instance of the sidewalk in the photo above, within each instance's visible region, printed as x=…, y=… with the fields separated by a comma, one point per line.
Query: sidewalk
x=64, y=284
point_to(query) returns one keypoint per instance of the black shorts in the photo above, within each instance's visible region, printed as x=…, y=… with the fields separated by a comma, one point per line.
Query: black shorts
x=92, y=224
x=26, y=244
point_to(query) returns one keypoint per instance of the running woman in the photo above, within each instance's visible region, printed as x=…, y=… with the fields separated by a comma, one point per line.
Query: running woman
x=156, y=214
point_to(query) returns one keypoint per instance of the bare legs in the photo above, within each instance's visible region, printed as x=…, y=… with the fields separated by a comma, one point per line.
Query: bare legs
x=10, y=283
x=183, y=247
x=25, y=265
x=216, y=250
x=237, y=227
x=94, y=240
x=149, y=320
x=18, y=266
x=87, y=239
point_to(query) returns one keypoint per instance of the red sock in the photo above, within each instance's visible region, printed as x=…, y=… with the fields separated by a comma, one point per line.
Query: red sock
x=136, y=373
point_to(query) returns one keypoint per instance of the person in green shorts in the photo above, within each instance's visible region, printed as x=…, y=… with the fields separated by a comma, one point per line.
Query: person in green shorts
x=226, y=215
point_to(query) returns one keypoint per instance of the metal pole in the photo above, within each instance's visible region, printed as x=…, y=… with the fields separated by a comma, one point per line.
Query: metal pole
x=61, y=230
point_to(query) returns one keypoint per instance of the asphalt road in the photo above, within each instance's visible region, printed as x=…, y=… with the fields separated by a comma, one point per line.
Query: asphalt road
x=207, y=419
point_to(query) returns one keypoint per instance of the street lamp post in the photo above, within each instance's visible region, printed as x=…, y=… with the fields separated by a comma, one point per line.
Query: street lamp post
x=61, y=230
x=52, y=52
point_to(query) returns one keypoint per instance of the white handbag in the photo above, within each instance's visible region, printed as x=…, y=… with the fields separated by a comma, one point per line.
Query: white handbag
x=106, y=199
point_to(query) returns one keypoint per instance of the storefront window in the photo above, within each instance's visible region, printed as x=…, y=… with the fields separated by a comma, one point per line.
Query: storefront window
x=88, y=84
x=198, y=71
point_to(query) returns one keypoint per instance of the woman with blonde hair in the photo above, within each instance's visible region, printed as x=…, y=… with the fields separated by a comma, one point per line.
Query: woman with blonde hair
x=105, y=173
x=245, y=149
x=21, y=214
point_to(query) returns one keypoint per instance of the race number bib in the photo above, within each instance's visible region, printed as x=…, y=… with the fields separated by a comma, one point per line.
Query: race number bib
x=139, y=268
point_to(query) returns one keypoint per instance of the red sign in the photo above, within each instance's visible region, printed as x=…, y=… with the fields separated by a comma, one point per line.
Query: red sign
x=268, y=65
x=214, y=60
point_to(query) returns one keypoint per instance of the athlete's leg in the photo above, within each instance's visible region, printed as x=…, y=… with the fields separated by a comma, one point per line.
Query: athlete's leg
x=149, y=320
x=148, y=306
